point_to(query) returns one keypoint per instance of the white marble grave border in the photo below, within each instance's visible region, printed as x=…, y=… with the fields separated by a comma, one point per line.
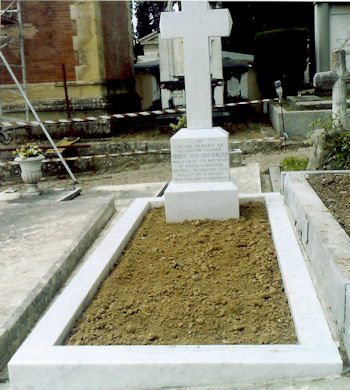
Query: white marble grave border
x=43, y=363
x=327, y=246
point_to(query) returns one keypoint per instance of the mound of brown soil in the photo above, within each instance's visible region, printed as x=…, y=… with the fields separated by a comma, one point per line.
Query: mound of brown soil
x=334, y=191
x=198, y=282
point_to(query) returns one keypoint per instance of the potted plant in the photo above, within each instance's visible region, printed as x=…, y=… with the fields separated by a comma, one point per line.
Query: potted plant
x=29, y=157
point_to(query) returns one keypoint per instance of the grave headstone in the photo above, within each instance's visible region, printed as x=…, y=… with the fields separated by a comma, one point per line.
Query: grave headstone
x=201, y=186
x=336, y=79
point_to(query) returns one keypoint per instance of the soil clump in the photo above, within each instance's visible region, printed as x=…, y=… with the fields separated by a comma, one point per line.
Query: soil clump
x=334, y=191
x=198, y=282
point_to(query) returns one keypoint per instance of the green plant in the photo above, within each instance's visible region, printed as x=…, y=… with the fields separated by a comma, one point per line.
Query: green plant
x=326, y=124
x=181, y=122
x=28, y=150
x=336, y=146
x=293, y=163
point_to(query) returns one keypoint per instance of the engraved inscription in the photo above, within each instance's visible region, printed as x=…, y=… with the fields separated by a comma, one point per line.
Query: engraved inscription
x=200, y=161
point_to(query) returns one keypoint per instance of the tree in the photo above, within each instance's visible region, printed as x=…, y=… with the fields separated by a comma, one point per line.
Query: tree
x=146, y=17
x=147, y=14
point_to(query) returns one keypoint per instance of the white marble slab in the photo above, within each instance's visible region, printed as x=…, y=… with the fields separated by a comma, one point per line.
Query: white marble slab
x=200, y=156
x=188, y=201
x=42, y=362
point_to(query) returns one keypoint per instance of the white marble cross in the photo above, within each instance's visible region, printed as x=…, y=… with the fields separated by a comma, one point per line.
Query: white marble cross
x=337, y=79
x=195, y=24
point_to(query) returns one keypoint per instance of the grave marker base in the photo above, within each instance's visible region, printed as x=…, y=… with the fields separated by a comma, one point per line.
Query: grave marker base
x=201, y=186
x=187, y=201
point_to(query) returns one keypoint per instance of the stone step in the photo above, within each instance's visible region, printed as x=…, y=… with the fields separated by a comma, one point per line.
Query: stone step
x=268, y=131
x=275, y=177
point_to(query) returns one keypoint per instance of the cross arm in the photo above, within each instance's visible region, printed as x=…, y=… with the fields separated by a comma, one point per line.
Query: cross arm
x=325, y=80
x=196, y=18
x=167, y=19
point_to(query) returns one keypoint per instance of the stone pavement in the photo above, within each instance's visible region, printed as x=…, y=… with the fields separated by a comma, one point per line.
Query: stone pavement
x=248, y=178
x=42, y=240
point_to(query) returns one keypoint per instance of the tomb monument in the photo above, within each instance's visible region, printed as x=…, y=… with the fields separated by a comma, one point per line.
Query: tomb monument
x=201, y=187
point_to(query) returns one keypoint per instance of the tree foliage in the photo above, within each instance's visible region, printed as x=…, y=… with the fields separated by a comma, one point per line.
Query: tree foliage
x=147, y=15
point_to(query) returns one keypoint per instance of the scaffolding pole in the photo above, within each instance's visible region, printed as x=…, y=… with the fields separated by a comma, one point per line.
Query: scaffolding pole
x=37, y=117
x=13, y=10
x=23, y=63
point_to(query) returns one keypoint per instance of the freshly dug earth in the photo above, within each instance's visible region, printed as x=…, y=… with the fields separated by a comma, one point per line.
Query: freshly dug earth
x=334, y=191
x=198, y=282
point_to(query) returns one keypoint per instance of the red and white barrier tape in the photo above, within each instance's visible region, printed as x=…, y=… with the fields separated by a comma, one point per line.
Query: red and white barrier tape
x=91, y=157
x=92, y=118
x=137, y=152
x=122, y=116
x=247, y=102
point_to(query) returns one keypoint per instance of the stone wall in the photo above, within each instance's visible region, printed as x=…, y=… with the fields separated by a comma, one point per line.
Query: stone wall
x=47, y=32
x=92, y=39
x=110, y=146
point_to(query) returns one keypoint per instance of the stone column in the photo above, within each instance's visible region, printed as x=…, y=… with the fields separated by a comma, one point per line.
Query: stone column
x=322, y=37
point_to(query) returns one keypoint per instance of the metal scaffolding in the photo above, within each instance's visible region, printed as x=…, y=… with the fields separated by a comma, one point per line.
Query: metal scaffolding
x=11, y=15
x=11, y=37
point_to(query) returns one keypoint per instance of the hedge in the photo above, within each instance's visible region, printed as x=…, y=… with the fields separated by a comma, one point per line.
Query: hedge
x=281, y=55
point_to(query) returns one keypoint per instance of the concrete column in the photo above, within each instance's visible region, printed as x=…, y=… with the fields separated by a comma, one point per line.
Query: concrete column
x=216, y=67
x=166, y=67
x=322, y=37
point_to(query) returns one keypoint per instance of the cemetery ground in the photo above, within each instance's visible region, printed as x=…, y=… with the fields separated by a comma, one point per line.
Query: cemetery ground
x=135, y=171
x=244, y=125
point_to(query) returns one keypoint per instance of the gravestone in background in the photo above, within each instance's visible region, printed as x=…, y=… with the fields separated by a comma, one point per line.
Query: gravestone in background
x=336, y=79
x=200, y=186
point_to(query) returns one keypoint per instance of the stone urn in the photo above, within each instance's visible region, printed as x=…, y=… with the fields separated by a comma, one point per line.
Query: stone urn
x=31, y=173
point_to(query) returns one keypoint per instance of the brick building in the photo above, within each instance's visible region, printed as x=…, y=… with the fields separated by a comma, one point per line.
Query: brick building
x=92, y=39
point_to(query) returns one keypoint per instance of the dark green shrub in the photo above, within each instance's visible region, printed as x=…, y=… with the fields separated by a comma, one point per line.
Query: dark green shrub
x=281, y=55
